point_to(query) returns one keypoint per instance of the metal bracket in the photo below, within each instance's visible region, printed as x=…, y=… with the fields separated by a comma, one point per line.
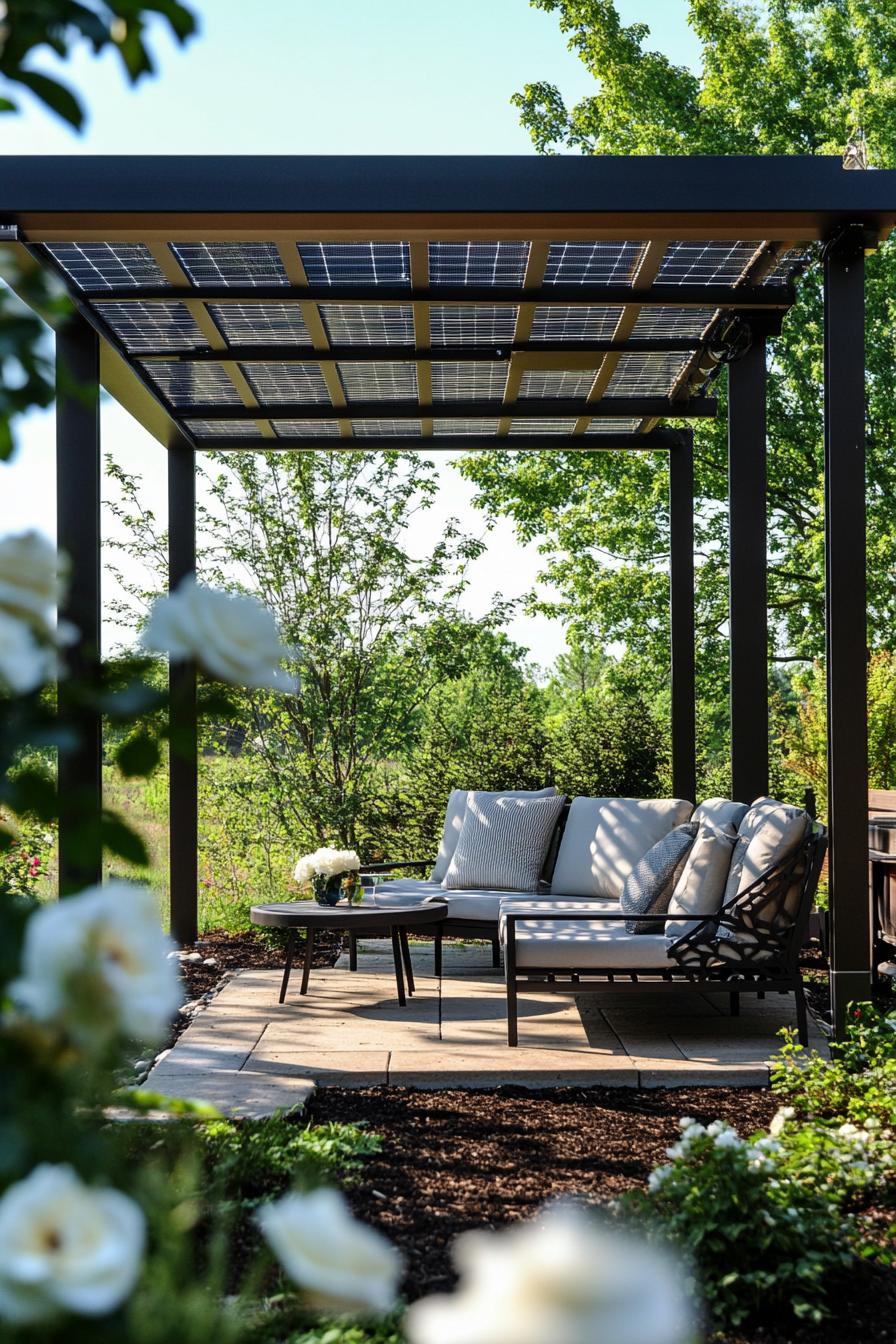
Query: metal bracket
x=9, y=233
x=849, y=240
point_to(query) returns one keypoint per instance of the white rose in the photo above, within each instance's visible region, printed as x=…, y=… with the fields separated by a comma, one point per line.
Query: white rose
x=328, y=861
x=24, y=664
x=65, y=1246
x=32, y=579
x=341, y=1264
x=232, y=636
x=565, y=1279
x=98, y=963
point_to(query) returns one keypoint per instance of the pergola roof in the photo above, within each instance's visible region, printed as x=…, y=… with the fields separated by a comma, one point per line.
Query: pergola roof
x=456, y=303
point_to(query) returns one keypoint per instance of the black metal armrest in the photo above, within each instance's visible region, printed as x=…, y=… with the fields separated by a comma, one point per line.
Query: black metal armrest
x=369, y=869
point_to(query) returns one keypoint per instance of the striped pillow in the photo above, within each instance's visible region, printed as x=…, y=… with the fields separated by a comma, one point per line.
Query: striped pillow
x=502, y=843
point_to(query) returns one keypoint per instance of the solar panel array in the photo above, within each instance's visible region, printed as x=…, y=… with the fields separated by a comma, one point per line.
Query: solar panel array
x=438, y=340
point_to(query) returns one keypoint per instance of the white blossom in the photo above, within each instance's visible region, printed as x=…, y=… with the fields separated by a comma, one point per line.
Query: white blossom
x=231, y=635
x=65, y=1246
x=657, y=1178
x=565, y=1278
x=32, y=580
x=340, y=1263
x=98, y=964
x=328, y=862
x=24, y=664
x=728, y=1138
x=779, y=1120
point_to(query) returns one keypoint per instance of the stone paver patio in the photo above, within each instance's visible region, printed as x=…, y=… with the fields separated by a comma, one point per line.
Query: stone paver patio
x=250, y=1055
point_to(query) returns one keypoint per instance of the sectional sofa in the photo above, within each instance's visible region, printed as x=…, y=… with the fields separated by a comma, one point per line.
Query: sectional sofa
x=730, y=908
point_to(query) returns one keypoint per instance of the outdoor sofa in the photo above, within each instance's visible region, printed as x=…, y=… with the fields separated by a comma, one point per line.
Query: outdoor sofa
x=725, y=892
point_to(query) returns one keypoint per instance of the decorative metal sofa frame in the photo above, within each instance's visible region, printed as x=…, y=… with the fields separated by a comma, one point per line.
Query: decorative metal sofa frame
x=752, y=946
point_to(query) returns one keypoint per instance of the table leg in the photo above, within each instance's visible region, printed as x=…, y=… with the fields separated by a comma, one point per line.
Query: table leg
x=353, y=951
x=290, y=943
x=396, y=957
x=309, y=953
x=406, y=958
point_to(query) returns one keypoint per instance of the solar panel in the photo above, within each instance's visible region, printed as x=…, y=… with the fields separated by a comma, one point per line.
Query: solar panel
x=455, y=427
x=231, y=263
x=356, y=263
x=382, y=429
x=613, y=424
x=601, y=263
x=478, y=263
x=95, y=266
x=790, y=263
x=261, y=323
x=688, y=323
x=705, y=263
x=152, y=326
x=368, y=323
x=473, y=324
x=580, y=323
x=378, y=381
x=651, y=374
x=469, y=382
x=274, y=383
x=192, y=384
x=557, y=383
x=564, y=425
x=223, y=429
x=306, y=429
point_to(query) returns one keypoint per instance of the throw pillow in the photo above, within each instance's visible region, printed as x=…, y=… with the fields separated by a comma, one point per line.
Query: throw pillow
x=701, y=882
x=648, y=888
x=454, y=820
x=502, y=843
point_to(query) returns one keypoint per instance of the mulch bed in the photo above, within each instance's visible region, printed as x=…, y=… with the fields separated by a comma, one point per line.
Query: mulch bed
x=453, y=1160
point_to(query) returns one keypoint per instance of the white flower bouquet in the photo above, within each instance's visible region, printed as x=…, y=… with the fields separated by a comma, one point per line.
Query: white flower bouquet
x=325, y=871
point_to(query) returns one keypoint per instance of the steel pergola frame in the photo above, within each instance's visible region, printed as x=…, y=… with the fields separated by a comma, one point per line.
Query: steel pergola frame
x=526, y=304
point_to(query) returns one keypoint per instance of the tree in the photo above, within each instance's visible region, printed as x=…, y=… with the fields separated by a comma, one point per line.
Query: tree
x=795, y=78
x=321, y=538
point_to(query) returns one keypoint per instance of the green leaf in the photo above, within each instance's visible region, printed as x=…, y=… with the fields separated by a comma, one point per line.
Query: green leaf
x=139, y=755
x=119, y=839
x=53, y=95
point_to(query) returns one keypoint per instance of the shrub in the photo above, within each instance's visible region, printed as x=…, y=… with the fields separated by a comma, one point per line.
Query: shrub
x=857, y=1083
x=767, y=1220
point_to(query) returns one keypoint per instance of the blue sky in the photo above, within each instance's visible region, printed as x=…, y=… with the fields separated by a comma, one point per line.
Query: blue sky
x=328, y=77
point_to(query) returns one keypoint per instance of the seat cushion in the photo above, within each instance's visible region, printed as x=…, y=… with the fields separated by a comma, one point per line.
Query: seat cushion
x=604, y=839
x=591, y=944
x=701, y=882
x=721, y=812
x=649, y=886
x=454, y=820
x=470, y=906
x=502, y=843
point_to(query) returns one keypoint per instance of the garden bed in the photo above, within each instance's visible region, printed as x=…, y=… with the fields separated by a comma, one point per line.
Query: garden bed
x=455, y=1160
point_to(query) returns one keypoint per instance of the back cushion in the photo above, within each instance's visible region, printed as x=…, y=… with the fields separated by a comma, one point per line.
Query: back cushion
x=721, y=812
x=605, y=838
x=454, y=820
x=768, y=834
x=502, y=843
x=701, y=883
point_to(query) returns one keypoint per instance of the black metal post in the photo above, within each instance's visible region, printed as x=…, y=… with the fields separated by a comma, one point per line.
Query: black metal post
x=183, y=795
x=748, y=585
x=681, y=613
x=78, y=482
x=846, y=632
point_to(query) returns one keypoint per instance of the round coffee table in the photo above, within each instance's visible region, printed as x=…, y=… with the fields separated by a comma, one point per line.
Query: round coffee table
x=386, y=921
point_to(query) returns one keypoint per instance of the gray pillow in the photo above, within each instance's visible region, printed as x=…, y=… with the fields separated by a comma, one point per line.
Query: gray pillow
x=502, y=843
x=649, y=886
x=454, y=820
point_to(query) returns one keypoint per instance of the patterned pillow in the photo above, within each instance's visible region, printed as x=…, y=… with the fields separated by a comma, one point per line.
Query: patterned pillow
x=502, y=843
x=649, y=886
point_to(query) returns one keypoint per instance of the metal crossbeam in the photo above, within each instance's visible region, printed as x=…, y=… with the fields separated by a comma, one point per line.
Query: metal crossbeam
x=698, y=408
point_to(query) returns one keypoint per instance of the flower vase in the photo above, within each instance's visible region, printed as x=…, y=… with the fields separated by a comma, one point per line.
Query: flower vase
x=327, y=889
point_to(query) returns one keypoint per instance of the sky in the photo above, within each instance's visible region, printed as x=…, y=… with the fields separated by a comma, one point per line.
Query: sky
x=319, y=77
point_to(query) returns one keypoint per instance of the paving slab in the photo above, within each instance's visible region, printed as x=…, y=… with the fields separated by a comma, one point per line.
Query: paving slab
x=522, y=1067
x=336, y=1068
x=234, y=1093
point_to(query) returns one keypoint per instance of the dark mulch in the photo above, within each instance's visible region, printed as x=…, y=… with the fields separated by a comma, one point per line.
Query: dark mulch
x=453, y=1160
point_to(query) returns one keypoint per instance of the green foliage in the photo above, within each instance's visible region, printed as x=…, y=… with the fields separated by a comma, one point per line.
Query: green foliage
x=387, y=1331
x=795, y=76
x=856, y=1084
x=767, y=1221
x=611, y=745
x=62, y=25
x=255, y=1159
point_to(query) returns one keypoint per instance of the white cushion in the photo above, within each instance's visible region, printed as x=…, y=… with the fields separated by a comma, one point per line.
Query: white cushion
x=768, y=834
x=454, y=820
x=502, y=843
x=720, y=811
x=605, y=837
x=471, y=906
x=701, y=883
x=587, y=944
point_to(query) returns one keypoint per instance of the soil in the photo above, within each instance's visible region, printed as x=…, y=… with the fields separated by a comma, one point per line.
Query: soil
x=453, y=1160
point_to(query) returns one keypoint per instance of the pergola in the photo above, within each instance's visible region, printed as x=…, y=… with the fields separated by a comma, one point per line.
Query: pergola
x=527, y=304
